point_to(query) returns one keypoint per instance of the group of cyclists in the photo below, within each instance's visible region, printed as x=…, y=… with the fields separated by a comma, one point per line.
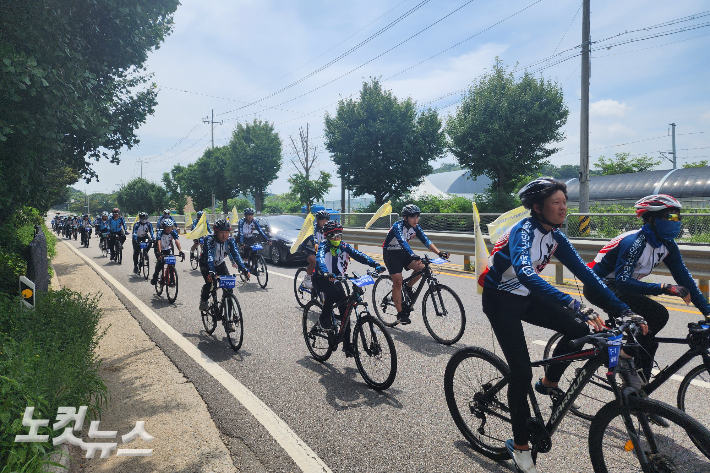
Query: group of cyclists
x=513, y=290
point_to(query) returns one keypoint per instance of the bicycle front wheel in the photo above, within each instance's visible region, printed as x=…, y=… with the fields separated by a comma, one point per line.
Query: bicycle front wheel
x=596, y=394
x=476, y=390
x=316, y=338
x=209, y=321
x=443, y=314
x=692, y=398
x=171, y=285
x=302, y=293
x=375, y=355
x=146, y=265
x=194, y=262
x=262, y=274
x=382, y=301
x=233, y=322
x=642, y=445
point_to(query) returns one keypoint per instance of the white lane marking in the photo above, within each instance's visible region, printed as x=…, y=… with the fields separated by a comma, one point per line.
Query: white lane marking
x=280, y=274
x=540, y=342
x=302, y=455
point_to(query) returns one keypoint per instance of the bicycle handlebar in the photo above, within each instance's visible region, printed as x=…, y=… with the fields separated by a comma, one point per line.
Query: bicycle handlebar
x=600, y=338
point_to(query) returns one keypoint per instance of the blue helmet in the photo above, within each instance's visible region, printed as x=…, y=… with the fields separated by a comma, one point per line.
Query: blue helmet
x=168, y=222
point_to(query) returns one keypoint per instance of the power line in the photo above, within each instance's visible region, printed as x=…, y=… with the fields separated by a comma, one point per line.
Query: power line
x=659, y=25
x=653, y=47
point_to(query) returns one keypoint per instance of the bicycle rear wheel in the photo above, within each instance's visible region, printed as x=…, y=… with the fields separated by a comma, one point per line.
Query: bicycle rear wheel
x=194, y=263
x=692, y=398
x=145, y=265
x=316, y=338
x=484, y=422
x=655, y=449
x=443, y=314
x=302, y=293
x=171, y=285
x=382, y=301
x=233, y=322
x=262, y=274
x=375, y=354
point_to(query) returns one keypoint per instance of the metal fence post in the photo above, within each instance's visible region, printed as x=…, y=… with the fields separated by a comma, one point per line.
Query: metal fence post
x=559, y=274
x=704, y=286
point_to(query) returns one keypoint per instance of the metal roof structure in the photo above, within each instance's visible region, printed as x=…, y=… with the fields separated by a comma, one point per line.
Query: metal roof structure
x=459, y=183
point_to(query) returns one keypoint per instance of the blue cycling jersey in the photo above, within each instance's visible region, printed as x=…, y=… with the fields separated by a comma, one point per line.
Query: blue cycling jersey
x=248, y=229
x=399, y=236
x=216, y=252
x=337, y=264
x=141, y=230
x=116, y=225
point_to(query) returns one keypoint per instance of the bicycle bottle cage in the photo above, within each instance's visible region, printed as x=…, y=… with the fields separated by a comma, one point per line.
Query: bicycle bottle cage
x=144, y=245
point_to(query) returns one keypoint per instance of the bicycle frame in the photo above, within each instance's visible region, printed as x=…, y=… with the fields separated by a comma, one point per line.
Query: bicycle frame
x=427, y=277
x=353, y=300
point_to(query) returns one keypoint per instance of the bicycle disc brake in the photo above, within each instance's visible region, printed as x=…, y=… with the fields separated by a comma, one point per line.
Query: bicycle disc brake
x=539, y=436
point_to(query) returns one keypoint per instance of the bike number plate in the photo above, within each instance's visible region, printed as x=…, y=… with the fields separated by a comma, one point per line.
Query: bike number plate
x=256, y=247
x=144, y=246
x=438, y=261
x=228, y=282
x=170, y=259
x=365, y=280
x=614, y=346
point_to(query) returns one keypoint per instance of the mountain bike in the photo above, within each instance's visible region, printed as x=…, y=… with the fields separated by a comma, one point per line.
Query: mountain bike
x=374, y=351
x=168, y=277
x=103, y=244
x=227, y=310
x=195, y=262
x=692, y=389
x=144, y=259
x=256, y=266
x=304, y=295
x=85, y=237
x=621, y=436
x=442, y=309
x=117, y=249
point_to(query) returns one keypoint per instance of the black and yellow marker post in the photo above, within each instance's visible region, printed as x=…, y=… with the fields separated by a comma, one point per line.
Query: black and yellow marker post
x=584, y=225
x=27, y=290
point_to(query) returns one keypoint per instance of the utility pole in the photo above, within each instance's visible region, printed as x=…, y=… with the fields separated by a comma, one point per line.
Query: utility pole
x=212, y=124
x=674, y=155
x=584, y=117
x=141, y=161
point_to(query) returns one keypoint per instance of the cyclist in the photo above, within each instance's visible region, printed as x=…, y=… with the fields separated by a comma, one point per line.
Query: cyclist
x=513, y=292
x=142, y=231
x=164, y=246
x=166, y=214
x=629, y=258
x=103, y=229
x=246, y=228
x=212, y=261
x=310, y=245
x=332, y=260
x=398, y=255
x=197, y=242
x=85, y=227
x=97, y=224
x=117, y=229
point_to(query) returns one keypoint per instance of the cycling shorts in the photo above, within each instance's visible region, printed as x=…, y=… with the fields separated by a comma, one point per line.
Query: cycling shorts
x=396, y=260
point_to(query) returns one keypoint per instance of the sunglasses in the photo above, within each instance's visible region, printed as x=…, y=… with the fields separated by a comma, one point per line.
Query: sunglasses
x=335, y=236
x=672, y=217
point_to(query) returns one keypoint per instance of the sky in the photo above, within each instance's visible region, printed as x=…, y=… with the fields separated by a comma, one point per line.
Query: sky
x=289, y=63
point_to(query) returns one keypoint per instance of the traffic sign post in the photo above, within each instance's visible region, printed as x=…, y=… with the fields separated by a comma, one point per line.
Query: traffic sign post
x=27, y=290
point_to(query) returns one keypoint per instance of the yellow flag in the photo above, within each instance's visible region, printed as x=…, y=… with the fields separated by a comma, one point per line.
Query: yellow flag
x=386, y=209
x=500, y=225
x=200, y=230
x=481, y=250
x=234, y=218
x=306, y=230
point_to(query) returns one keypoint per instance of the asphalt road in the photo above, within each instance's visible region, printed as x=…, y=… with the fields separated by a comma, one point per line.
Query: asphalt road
x=351, y=427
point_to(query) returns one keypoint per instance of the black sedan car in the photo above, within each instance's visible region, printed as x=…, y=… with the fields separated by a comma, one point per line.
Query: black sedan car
x=282, y=231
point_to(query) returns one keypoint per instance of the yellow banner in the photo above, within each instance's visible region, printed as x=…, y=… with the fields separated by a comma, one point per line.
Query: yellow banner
x=481, y=250
x=200, y=230
x=234, y=218
x=500, y=225
x=386, y=209
x=306, y=231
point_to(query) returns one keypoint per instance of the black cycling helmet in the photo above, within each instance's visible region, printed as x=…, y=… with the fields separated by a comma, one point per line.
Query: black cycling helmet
x=322, y=214
x=199, y=214
x=332, y=227
x=166, y=212
x=168, y=222
x=222, y=225
x=142, y=215
x=410, y=209
x=539, y=189
x=248, y=211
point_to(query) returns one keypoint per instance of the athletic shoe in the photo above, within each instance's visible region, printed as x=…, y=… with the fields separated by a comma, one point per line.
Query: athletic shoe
x=403, y=318
x=522, y=459
x=307, y=283
x=555, y=393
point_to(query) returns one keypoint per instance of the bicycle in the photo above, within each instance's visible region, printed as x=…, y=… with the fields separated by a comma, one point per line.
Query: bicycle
x=442, y=309
x=371, y=343
x=103, y=244
x=195, y=262
x=168, y=278
x=228, y=310
x=144, y=259
x=257, y=266
x=85, y=237
x=696, y=381
x=619, y=432
x=305, y=295
x=118, y=249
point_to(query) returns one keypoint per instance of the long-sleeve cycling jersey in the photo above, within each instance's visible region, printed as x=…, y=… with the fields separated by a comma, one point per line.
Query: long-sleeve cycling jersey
x=194, y=224
x=316, y=238
x=337, y=264
x=115, y=225
x=86, y=223
x=632, y=256
x=248, y=229
x=399, y=235
x=104, y=227
x=215, y=252
x=166, y=239
x=159, y=224
x=97, y=221
x=141, y=230
x=523, y=252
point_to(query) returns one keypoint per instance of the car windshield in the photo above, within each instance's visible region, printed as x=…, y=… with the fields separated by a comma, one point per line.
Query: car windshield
x=285, y=222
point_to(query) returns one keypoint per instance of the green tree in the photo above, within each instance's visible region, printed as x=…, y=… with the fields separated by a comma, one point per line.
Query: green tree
x=700, y=164
x=623, y=163
x=504, y=125
x=140, y=195
x=210, y=173
x=255, y=158
x=171, y=181
x=72, y=89
x=380, y=144
x=308, y=190
x=287, y=203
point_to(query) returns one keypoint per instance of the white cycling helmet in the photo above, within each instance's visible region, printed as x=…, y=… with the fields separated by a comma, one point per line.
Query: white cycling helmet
x=656, y=202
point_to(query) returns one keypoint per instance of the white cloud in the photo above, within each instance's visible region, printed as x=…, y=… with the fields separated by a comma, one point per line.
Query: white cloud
x=705, y=117
x=608, y=108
